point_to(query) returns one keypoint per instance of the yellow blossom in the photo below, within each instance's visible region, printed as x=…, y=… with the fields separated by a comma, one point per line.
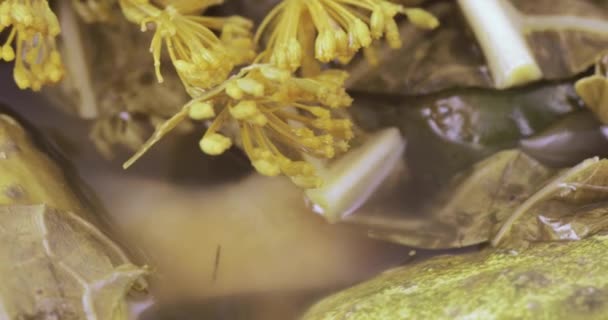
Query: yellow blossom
x=201, y=111
x=33, y=30
x=277, y=118
x=215, y=144
x=201, y=58
x=343, y=27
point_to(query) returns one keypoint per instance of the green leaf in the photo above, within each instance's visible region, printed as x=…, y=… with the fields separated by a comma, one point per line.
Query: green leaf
x=546, y=281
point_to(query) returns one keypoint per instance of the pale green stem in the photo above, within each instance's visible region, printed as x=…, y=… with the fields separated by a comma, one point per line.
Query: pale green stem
x=351, y=180
x=497, y=27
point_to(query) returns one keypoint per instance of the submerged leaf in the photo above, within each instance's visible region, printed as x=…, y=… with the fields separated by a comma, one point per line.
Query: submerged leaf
x=492, y=190
x=546, y=281
x=508, y=198
x=573, y=194
x=465, y=212
x=457, y=129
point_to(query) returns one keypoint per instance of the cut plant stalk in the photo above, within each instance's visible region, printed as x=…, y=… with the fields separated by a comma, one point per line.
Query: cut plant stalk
x=498, y=29
x=352, y=179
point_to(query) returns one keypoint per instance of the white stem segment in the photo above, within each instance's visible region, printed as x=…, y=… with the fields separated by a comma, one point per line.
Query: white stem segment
x=74, y=56
x=496, y=25
x=352, y=179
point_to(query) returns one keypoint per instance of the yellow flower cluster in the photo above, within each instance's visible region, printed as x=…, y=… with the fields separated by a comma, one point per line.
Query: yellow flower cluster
x=277, y=116
x=277, y=108
x=343, y=27
x=33, y=30
x=201, y=58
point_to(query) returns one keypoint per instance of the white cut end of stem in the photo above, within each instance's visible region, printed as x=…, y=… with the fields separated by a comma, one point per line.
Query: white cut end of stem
x=496, y=25
x=352, y=179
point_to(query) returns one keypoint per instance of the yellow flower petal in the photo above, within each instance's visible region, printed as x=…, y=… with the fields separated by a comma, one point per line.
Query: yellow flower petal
x=33, y=30
x=343, y=28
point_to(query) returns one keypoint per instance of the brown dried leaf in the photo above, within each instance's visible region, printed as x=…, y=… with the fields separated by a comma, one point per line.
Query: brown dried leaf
x=570, y=198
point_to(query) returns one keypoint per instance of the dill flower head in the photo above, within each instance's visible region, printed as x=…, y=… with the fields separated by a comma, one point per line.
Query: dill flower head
x=33, y=30
x=343, y=27
x=201, y=58
x=275, y=117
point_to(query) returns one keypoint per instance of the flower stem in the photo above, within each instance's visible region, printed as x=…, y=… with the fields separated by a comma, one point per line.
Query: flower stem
x=497, y=27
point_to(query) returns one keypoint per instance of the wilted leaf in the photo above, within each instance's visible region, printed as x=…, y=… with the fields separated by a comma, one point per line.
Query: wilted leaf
x=546, y=281
x=492, y=190
x=573, y=195
x=54, y=262
x=465, y=212
x=509, y=198
x=450, y=56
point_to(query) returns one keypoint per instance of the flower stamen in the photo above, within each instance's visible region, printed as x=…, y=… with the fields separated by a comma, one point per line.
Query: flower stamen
x=343, y=27
x=34, y=28
x=201, y=58
x=276, y=119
